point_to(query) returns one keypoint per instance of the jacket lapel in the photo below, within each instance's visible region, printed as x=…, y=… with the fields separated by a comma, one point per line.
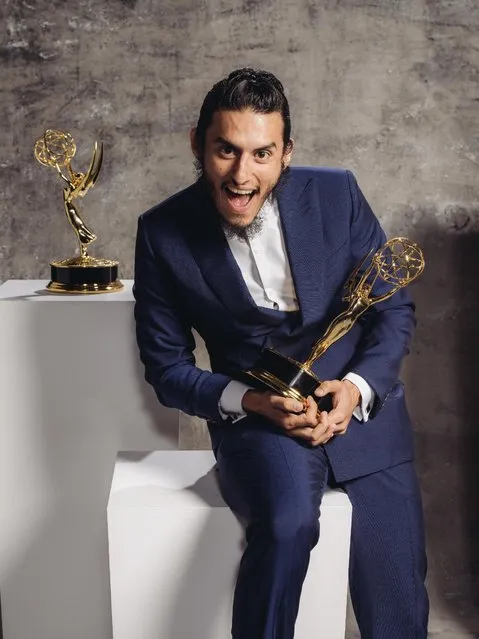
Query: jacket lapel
x=298, y=202
x=299, y=207
x=214, y=257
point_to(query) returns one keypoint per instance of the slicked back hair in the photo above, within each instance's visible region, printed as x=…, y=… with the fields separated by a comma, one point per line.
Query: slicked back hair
x=246, y=88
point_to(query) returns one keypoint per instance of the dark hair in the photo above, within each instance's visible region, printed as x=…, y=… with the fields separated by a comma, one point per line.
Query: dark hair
x=244, y=88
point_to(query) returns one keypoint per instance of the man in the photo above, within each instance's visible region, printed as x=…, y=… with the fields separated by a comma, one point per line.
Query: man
x=255, y=254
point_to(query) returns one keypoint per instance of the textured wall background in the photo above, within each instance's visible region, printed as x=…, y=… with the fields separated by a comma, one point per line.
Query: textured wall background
x=388, y=89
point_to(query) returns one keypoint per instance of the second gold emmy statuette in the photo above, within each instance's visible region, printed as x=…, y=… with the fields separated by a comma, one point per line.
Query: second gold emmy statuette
x=395, y=265
x=82, y=273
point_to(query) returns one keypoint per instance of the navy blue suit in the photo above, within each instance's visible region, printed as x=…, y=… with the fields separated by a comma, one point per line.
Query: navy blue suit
x=186, y=277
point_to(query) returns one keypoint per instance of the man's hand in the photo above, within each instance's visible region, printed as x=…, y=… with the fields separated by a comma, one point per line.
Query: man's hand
x=295, y=418
x=345, y=398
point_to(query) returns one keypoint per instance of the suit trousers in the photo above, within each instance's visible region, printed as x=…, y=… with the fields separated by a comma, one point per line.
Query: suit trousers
x=274, y=484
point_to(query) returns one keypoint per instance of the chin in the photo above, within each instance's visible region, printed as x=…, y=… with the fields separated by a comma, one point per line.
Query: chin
x=240, y=221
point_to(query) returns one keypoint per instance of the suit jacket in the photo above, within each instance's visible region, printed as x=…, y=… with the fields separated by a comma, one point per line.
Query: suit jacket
x=186, y=277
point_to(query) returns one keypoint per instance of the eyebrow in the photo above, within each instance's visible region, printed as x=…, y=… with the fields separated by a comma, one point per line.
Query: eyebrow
x=266, y=147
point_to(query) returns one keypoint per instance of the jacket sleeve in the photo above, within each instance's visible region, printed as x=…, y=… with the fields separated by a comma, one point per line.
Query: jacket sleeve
x=389, y=325
x=165, y=339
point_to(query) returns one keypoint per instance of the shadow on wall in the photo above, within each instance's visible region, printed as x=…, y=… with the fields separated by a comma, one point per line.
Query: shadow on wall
x=442, y=374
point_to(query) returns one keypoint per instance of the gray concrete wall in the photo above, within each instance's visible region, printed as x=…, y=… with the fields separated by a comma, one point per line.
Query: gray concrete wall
x=388, y=89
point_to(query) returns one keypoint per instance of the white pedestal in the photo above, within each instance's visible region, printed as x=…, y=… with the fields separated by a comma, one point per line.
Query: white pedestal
x=175, y=548
x=72, y=394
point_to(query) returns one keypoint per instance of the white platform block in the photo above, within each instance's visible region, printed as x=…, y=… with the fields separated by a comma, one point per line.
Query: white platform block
x=175, y=548
x=72, y=394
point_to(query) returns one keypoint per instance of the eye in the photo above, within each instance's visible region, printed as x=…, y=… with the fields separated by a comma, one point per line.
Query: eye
x=263, y=154
x=226, y=150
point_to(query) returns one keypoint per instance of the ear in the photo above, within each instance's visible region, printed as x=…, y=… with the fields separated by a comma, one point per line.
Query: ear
x=194, y=148
x=288, y=153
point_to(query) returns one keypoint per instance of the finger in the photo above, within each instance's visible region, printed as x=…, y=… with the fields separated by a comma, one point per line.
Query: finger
x=292, y=421
x=311, y=410
x=287, y=421
x=338, y=415
x=324, y=418
x=322, y=441
x=309, y=418
x=286, y=404
x=323, y=431
x=318, y=424
x=328, y=386
x=304, y=420
x=319, y=441
x=306, y=434
x=301, y=432
x=293, y=405
x=340, y=429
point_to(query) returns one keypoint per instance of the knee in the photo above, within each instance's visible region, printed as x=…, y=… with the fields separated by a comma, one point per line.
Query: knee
x=292, y=527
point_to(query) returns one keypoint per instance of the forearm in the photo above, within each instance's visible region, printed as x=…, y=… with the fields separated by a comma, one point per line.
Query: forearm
x=384, y=345
x=193, y=390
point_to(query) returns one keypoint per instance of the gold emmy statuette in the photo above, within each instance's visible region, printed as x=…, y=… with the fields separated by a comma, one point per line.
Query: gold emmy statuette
x=397, y=264
x=81, y=274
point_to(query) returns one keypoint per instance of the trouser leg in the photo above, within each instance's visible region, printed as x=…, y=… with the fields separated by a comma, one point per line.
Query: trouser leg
x=275, y=485
x=388, y=560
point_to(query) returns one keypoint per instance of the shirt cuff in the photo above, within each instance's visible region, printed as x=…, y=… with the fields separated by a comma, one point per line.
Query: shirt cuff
x=362, y=410
x=230, y=405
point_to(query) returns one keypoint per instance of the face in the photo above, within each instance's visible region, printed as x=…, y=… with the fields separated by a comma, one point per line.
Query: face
x=243, y=159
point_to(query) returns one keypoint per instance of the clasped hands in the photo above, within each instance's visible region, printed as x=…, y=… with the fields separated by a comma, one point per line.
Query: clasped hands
x=305, y=420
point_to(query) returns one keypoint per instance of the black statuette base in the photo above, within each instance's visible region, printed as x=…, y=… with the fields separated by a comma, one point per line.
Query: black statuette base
x=79, y=278
x=287, y=377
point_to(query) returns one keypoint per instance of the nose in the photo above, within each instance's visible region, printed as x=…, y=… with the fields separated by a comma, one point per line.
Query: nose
x=241, y=172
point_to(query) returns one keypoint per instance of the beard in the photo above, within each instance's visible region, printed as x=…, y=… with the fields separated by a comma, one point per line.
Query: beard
x=244, y=233
x=252, y=229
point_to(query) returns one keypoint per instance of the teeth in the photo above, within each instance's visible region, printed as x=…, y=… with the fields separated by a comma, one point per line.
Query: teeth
x=240, y=191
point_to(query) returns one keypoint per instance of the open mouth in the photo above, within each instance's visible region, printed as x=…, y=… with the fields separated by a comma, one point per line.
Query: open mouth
x=239, y=198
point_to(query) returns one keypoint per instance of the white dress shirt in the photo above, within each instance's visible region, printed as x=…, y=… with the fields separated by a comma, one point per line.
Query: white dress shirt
x=264, y=265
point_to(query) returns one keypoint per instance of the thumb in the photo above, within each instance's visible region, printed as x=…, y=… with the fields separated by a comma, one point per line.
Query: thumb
x=328, y=386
